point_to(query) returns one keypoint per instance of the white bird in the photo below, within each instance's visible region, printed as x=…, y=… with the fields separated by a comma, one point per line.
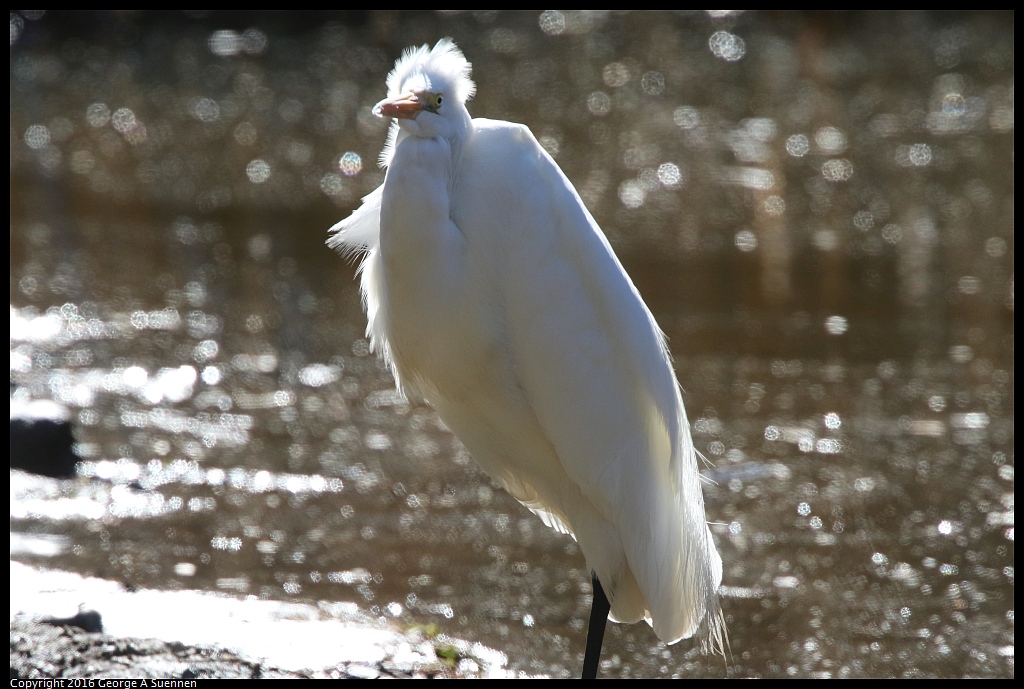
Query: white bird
x=495, y=297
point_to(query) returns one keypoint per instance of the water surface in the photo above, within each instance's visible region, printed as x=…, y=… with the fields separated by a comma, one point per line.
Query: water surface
x=817, y=207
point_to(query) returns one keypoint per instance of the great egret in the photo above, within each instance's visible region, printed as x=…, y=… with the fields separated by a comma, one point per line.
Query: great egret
x=494, y=296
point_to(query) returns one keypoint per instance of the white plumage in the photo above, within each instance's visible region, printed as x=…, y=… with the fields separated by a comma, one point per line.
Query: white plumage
x=495, y=297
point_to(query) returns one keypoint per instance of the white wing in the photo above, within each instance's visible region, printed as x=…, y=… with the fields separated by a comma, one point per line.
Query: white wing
x=592, y=365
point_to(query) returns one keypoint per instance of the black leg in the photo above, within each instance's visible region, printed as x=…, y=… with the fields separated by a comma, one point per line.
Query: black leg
x=595, y=633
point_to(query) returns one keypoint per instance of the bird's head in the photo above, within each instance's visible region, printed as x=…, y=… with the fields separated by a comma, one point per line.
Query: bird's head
x=428, y=90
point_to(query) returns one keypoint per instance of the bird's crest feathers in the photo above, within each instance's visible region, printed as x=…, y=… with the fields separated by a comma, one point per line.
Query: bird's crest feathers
x=441, y=69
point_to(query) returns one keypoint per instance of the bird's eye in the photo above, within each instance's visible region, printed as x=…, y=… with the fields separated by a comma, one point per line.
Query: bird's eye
x=433, y=101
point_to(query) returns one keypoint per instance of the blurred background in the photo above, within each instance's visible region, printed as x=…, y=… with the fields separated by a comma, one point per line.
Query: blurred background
x=817, y=207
